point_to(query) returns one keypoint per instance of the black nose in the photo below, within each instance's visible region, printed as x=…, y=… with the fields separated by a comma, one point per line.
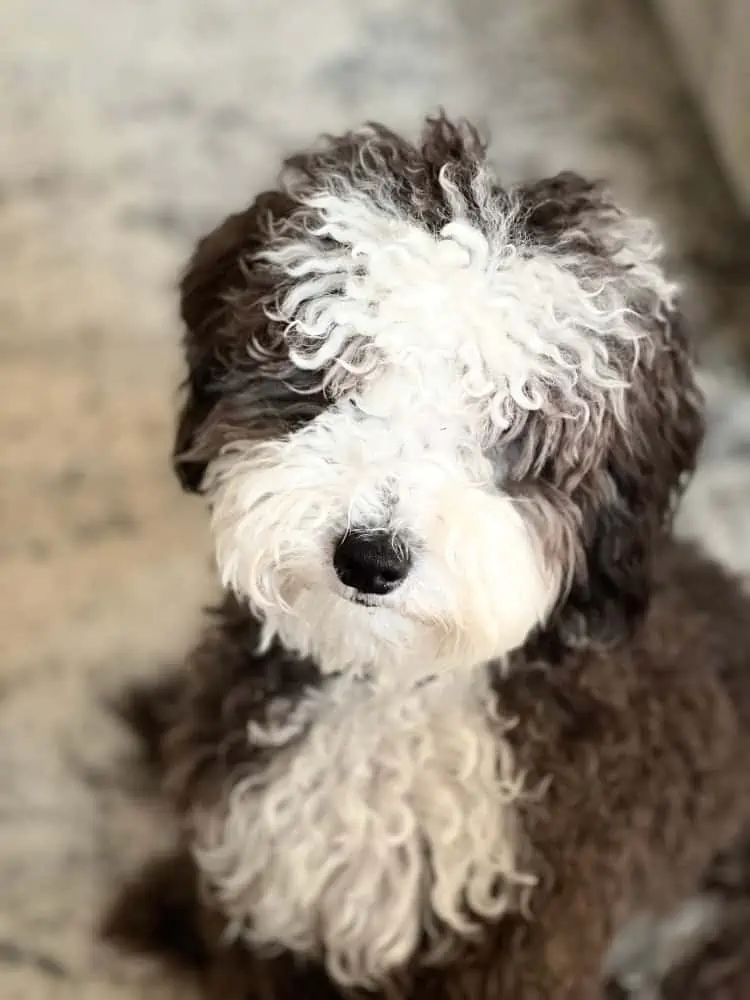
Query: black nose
x=372, y=562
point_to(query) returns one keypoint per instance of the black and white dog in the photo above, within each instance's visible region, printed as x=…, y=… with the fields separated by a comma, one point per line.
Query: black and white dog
x=464, y=670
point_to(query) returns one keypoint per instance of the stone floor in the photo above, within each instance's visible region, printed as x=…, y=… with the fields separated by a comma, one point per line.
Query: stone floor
x=129, y=128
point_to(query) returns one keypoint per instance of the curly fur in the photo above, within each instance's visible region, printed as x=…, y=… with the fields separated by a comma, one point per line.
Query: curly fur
x=500, y=381
x=408, y=798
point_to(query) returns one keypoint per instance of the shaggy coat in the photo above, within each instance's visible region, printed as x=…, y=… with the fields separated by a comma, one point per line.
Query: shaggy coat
x=453, y=791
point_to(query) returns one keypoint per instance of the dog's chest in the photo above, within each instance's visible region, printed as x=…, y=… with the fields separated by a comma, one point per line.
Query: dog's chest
x=390, y=820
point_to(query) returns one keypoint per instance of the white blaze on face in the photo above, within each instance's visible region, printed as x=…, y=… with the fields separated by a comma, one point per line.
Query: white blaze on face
x=495, y=321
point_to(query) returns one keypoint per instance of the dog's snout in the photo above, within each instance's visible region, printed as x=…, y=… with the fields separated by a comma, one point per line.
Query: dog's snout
x=372, y=562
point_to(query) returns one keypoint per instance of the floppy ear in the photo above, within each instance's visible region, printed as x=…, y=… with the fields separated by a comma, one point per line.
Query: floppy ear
x=627, y=508
x=219, y=274
x=640, y=459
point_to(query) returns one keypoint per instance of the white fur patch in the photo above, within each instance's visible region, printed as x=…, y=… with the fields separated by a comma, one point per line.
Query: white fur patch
x=478, y=584
x=492, y=328
x=392, y=816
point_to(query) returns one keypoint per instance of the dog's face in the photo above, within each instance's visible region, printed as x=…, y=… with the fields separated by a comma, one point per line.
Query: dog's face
x=434, y=417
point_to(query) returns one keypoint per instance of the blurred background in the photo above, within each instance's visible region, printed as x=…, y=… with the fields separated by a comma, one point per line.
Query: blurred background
x=128, y=129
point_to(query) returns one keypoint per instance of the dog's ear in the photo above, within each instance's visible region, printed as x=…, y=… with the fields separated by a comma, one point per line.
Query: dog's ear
x=641, y=458
x=628, y=506
x=220, y=272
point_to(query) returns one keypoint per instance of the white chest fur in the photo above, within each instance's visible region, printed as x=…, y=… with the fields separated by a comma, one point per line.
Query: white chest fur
x=392, y=817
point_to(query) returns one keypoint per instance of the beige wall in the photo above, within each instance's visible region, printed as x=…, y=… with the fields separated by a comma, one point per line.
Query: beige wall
x=713, y=41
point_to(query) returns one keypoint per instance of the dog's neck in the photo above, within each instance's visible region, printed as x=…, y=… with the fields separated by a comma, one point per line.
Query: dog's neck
x=385, y=819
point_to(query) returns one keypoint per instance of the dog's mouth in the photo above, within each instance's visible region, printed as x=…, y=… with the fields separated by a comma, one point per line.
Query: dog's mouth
x=363, y=600
x=353, y=596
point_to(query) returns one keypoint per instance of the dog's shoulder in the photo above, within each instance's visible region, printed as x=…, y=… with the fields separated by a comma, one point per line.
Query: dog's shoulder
x=685, y=576
x=699, y=620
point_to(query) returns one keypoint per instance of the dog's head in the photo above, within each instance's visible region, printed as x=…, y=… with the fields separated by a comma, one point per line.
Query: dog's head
x=435, y=417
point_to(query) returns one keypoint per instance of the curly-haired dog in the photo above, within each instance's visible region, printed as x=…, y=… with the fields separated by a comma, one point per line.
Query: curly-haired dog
x=469, y=707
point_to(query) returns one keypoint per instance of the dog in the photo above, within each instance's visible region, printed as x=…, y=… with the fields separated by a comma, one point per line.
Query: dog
x=467, y=707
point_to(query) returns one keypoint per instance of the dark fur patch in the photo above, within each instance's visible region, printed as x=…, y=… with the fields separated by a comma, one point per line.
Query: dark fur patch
x=149, y=709
x=159, y=913
x=227, y=687
x=228, y=392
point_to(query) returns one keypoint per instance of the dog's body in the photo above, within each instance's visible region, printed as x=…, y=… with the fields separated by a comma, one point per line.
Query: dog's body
x=472, y=708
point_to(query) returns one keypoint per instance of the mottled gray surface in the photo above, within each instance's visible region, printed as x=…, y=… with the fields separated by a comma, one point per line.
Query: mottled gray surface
x=125, y=129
